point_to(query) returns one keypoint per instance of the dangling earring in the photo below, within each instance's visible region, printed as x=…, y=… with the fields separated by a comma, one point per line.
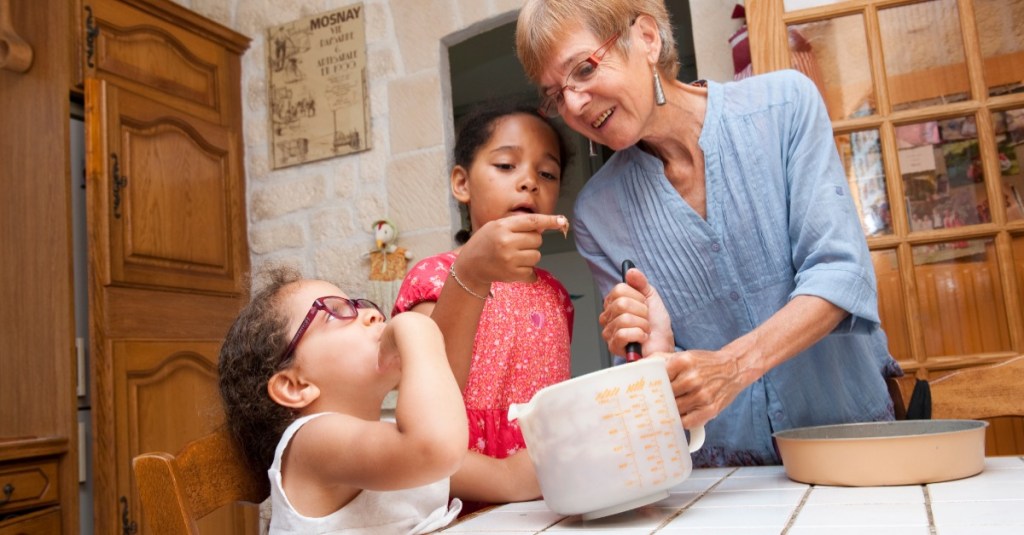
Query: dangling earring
x=659, y=93
x=593, y=151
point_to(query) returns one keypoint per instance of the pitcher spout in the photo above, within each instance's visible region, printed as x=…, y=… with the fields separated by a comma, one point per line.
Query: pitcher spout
x=519, y=410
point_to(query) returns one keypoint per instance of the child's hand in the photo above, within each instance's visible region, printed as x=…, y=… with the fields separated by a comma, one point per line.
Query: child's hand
x=401, y=335
x=506, y=249
x=388, y=355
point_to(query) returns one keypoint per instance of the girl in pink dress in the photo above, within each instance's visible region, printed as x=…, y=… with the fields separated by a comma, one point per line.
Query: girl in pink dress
x=507, y=324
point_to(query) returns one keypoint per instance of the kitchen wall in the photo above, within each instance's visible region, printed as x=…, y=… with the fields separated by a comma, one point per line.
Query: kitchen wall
x=317, y=216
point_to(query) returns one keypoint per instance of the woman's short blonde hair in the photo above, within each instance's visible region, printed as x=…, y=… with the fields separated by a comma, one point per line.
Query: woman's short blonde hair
x=544, y=23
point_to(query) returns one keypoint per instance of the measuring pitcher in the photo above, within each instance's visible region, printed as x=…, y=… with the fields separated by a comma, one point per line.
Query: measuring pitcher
x=608, y=441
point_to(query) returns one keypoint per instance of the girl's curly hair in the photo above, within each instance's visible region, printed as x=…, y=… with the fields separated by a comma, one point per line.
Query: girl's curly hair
x=248, y=359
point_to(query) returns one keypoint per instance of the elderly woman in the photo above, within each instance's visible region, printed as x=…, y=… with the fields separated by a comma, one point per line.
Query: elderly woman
x=754, y=280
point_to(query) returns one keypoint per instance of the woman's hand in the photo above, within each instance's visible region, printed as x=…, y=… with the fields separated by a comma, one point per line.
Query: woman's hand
x=634, y=312
x=705, y=382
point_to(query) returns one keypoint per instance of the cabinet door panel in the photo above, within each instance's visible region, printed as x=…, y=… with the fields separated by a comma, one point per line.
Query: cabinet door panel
x=165, y=396
x=131, y=53
x=140, y=51
x=173, y=215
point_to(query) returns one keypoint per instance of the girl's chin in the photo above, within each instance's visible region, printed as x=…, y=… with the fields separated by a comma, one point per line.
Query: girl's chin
x=391, y=369
x=391, y=375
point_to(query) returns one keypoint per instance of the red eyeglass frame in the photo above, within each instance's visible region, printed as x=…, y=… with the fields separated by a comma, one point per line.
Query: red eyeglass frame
x=551, y=100
x=318, y=305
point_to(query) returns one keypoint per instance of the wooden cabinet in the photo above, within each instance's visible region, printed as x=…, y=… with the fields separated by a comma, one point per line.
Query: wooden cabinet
x=37, y=356
x=167, y=239
x=168, y=246
x=30, y=490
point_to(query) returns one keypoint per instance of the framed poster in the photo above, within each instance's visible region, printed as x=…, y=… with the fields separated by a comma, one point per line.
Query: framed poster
x=319, y=106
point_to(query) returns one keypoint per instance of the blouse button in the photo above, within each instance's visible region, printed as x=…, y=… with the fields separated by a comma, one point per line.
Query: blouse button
x=734, y=296
x=715, y=247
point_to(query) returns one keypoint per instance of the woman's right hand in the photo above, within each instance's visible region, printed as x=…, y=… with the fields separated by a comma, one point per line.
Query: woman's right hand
x=505, y=249
x=634, y=312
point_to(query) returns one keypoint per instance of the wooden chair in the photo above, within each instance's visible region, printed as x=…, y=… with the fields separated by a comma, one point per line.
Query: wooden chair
x=208, y=473
x=981, y=392
x=994, y=393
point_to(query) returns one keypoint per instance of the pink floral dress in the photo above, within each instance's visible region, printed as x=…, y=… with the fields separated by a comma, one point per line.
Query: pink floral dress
x=522, y=345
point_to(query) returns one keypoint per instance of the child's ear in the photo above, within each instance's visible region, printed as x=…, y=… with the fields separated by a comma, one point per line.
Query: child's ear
x=460, y=184
x=287, y=389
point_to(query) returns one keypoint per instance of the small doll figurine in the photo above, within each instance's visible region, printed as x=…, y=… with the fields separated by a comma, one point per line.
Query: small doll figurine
x=388, y=263
x=385, y=233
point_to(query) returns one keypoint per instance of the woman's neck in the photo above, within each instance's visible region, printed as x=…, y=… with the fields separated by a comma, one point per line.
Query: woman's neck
x=674, y=138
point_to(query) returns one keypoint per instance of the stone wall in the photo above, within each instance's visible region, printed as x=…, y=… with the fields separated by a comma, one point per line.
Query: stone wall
x=317, y=216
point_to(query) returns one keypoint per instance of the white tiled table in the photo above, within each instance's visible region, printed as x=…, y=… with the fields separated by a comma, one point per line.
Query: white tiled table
x=762, y=500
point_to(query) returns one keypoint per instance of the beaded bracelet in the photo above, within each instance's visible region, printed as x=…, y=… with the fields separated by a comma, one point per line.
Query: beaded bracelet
x=451, y=271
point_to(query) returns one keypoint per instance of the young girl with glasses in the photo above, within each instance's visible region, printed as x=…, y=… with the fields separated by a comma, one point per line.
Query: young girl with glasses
x=307, y=368
x=507, y=324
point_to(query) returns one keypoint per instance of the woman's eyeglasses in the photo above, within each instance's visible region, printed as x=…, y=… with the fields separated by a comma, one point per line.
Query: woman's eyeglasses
x=579, y=79
x=341, y=308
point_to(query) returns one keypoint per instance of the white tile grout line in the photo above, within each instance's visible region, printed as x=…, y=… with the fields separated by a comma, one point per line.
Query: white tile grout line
x=796, y=512
x=693, y=501
x=553, y=524
x=928, y=509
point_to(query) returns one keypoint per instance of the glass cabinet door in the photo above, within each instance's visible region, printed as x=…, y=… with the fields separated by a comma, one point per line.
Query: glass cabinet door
x=927, y=103
x=926, y=99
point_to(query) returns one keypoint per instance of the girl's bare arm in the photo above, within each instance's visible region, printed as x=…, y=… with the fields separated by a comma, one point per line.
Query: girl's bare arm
x=425, y=444
x=502, y=250
x=486, y=479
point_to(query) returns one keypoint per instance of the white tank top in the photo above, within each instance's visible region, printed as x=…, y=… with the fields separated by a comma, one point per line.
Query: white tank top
x=416, y=510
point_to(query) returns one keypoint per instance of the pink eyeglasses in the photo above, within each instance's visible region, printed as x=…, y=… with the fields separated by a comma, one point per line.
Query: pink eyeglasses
x=341, y=308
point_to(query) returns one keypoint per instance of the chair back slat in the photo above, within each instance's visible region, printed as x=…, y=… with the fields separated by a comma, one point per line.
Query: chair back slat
x=207, y=474
x=982, y=392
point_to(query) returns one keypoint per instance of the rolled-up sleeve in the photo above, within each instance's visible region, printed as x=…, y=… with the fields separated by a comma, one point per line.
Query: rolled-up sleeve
x=829, y=252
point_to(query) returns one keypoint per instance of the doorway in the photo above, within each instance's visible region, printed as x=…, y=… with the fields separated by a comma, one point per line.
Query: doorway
x=482, y=67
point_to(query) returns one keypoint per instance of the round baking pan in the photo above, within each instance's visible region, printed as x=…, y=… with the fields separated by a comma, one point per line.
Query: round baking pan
x=906, y=452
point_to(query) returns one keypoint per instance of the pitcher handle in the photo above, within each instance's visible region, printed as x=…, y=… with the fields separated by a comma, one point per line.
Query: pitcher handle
x=696, y=438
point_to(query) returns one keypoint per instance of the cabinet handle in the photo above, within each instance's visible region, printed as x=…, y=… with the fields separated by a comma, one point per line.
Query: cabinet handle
x=8, y=492
x=91, y=32
x=15, y=53
x=118, y=182
x=128, y=526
